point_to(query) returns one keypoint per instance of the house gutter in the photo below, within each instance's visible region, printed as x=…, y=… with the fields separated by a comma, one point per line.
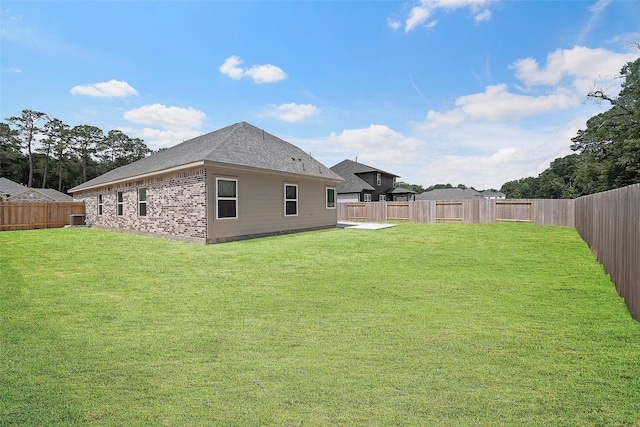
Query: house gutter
x=200, y=164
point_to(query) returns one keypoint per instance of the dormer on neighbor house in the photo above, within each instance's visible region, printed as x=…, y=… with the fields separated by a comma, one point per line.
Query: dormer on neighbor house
x=364, y=183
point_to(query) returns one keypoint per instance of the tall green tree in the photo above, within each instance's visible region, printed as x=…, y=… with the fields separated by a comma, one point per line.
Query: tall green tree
x=27, y=129
x=86, y=140
x=10, y=155
x=59, y=136
x=610, y=145
x=118, y=149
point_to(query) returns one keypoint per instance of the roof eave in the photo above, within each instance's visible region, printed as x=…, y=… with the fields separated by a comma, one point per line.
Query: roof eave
x=201, y=163
x=134, y=177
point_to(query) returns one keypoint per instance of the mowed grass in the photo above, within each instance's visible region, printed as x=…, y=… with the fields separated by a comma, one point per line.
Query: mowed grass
x=448, y=325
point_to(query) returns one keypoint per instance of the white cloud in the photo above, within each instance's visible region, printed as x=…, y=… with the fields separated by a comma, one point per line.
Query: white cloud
x=230, y=67
x=259, y=73
x=292, y=112
x=496, y=103
x=161, y=138
x=417, y=16
x=110, y=89
x=485, y=15
x=393, y=24
x=172, y=118
x=577, y=63
x=566, y=78
x=377, y=144
x=420, y=13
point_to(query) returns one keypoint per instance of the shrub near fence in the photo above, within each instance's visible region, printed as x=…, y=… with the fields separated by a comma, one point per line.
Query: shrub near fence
x=481, y=211
x=33, y=215
x=610, y=224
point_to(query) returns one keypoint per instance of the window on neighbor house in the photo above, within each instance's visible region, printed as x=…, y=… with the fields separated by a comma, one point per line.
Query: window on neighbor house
x=100, y=204
x=331, y=198
x=226, y=198
x=382, y=198
x=379, y=179
x=394, y=182
x=367, y=197
x=142, y=201
x=290, y=199
x=119, y=204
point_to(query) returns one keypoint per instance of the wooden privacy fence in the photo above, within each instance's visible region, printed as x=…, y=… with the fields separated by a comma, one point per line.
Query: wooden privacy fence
x=32, y=215
x=610, y=224
x=479, y=211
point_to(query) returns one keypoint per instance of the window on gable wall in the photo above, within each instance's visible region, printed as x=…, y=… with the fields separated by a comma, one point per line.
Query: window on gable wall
x=226, y=198
x=331, y=198
x=290, y=199
x=379, y=179
x=142, y=201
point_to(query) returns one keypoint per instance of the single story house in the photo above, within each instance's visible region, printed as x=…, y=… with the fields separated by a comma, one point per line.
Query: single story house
x=493, y=194
x=234, y=183
x=11, y=191
x=459, y=194
x=9, y=188
x=40, y=195
x=364, y=183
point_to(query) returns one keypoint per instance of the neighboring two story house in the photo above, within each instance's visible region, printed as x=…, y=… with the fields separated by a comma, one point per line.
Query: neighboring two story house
x=364, y=183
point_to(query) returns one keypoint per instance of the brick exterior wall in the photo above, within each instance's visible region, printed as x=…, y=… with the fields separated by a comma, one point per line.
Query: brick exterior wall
x=176, y=206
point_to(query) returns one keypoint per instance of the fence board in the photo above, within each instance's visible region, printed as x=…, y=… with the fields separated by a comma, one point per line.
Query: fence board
x=478, y=211
x=34, y=215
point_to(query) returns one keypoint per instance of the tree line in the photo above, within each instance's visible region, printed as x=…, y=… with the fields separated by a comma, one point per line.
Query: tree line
x=607, y=152
x=48, y=153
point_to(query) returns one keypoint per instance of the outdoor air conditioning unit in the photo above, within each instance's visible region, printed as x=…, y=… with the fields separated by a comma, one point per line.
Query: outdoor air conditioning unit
x=76, y=219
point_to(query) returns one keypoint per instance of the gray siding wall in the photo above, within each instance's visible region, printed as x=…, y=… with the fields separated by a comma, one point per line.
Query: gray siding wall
x=176, y=206
x=261, y=205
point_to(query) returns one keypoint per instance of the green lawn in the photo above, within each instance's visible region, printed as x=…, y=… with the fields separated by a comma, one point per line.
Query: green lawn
x=438, y=324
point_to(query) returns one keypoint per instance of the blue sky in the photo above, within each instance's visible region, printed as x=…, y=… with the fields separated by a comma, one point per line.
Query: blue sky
x=458, y=91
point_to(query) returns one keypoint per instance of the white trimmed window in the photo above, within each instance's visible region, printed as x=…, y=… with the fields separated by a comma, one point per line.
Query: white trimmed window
x=394, y=182
x=100, y=204
x=379, y=179
x=142, y=201
x=119, y=204
x=290, y=200
x=382, y=198
x=367, y=197
x=226, y=198
x=331, y=198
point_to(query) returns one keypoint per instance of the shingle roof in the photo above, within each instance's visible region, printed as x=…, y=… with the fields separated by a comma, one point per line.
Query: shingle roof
x=400, y=190
x=49, y=194
x=10, y=187
x=348, y=169
x=349, y=166
x=240, y=144
x=449, y=194
x=492, y=193
x=55, y=194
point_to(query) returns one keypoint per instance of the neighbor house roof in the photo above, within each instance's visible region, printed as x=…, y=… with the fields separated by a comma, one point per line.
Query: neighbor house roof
x=400, y=190
x=239, y=145
x=10, y=188
x=449, y=194
x=41, y=194
x=492, y=193
x=348, y=169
